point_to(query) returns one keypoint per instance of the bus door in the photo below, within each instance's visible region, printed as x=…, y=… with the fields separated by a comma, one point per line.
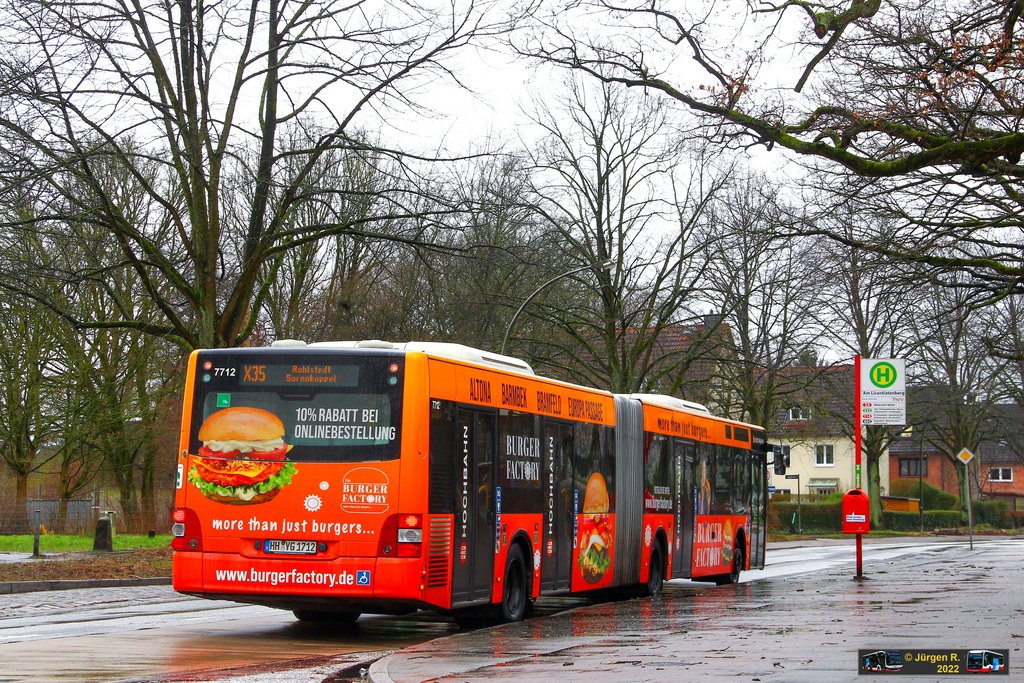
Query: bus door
x=559, y=513
x=473, y=570
x=682, y=550
x=758, y=508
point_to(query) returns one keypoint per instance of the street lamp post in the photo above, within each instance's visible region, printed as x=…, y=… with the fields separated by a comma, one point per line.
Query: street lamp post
x=602, y=266
x=920, y=480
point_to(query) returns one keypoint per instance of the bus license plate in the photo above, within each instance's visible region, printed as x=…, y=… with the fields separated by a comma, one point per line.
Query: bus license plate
x=290, y=547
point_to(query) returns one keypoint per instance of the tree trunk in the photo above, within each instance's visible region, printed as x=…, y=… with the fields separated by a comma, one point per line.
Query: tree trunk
x=129, y=505
x=874, y=479
x=21, y=522
x=874, y=447
x=147, y=488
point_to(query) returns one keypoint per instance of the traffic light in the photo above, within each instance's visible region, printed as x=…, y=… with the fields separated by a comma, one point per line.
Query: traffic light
x=781, y=459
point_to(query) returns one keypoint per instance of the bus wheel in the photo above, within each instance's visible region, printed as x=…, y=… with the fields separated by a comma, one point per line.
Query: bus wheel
x=737, y=564
x=516, y=594
x=734, y=573
x=656, y=578
x=321, y=617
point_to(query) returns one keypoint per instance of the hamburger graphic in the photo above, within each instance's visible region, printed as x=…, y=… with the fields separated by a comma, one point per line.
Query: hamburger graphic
x=727, y=543
x=596, y=531
x=242, y=459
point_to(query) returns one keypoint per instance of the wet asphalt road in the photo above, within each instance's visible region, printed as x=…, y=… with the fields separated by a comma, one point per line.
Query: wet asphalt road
x=802, y=627
x=801, y=619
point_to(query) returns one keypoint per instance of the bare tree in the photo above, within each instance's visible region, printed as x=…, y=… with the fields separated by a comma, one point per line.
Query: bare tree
x=959, y=378
x=101, y=392
x=764, y=289
x=318, y=289
x=27, y=354
x=195, y=102
x=921, y=99
x=461, y=285
x=1005, y=340
x=868, y=309
x=501, y=251
x=30, y=356
x=607, y=182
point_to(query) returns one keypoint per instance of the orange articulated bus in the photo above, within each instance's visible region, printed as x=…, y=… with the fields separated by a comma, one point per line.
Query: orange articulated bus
x=340, y=478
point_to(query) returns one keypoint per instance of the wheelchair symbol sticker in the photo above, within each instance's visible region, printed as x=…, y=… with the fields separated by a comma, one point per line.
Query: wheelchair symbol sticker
x=363, y=577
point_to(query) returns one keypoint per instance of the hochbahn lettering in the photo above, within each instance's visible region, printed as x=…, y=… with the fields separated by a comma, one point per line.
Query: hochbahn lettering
x=465, y=482
x=551, y=489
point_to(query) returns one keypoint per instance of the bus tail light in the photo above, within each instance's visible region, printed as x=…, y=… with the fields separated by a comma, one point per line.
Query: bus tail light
x=410, y=535
x=186, y=532
x=401, y=536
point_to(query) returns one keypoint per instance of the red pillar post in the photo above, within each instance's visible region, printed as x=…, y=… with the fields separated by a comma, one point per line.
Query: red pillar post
x=856, y=457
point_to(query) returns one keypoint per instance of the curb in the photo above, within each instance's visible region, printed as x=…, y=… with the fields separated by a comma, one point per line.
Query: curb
x=12, y=587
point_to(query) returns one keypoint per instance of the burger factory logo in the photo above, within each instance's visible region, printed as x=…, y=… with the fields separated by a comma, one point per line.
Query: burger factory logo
x=242, y=459
x=365, y=489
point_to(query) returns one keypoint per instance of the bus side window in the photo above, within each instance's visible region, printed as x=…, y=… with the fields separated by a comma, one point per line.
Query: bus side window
x=705, y=473
x=442, y=457
x=741, y=480
x=721, y=501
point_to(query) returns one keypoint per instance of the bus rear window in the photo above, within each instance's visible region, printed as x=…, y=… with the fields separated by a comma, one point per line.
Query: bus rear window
x=331, y=408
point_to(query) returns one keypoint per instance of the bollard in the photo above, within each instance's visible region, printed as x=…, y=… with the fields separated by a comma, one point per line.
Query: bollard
x=104, y=539
x=35, y=542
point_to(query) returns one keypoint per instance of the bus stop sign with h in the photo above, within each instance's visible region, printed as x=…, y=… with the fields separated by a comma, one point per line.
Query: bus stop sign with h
x=881, y=390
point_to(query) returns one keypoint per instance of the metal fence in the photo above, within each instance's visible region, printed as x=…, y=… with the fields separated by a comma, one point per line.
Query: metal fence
x=81, y=516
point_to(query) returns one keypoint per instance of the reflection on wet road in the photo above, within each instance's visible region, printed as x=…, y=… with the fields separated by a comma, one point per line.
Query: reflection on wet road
x=793, y=627
x=152, y=633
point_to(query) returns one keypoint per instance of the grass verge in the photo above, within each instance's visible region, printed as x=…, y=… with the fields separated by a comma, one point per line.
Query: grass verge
x=71, y=543
x=71, y=558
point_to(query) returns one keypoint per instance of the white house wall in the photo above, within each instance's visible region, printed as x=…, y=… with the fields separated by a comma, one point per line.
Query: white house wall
x=802, y=463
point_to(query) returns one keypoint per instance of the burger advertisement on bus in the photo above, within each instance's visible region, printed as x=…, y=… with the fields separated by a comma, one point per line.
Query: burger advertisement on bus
x=597, y=533
x=242, y=459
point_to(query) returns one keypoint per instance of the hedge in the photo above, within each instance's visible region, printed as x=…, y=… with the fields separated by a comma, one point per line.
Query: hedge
x=911, y=521
x=934, y=499
x=816, y=517
x=993, y=512
x=826, y=518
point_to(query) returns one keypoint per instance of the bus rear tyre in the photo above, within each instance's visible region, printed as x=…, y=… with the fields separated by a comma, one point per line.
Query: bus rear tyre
x=737, y=565
x=515, y=595
x=656, y=578
x=738, y=562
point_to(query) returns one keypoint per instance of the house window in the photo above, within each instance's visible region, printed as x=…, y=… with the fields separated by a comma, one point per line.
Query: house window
x=825, y=455
x=799, y=414
x=913, y=467
x=1000, y=474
